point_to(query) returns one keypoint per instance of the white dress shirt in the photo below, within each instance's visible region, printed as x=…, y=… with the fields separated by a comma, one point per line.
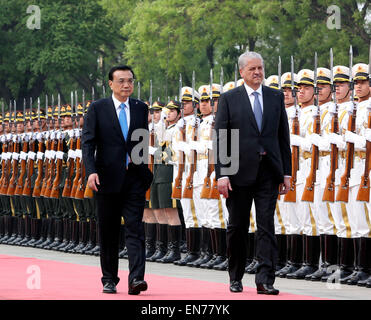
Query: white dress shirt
x=250, y=92
x=117, y=104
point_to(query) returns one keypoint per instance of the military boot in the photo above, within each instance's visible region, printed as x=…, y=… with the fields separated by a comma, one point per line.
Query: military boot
x=353, y=264
x=66, y=234
x=150, y=238
x=363, y=263
x=14, y=230
x=282, y=251
x=83, y=237
x=253, y=266
x=161, y=243
x=173, y=253
x=92, y=236
x=43, y=232
x=27, y=231
x=329, y=257
x=345, y=261
x=221, y=261
x=193, y=238
x=311, y=254
x=296, y=255
x=206, y=248
x=58, y=235
x=50, y=233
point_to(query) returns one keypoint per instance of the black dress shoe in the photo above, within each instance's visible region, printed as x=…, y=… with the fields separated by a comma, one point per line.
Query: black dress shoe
x=235, y=286
x=136, y=286
x=109, y=287
x=266, y=289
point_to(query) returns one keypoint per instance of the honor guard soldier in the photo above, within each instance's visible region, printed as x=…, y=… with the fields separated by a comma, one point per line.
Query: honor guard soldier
x=326, y=223
x=279, y=214
x=164, y=189
x=159, y=200
x=192, y=222
x=360, y=206
x=307, y=245
x=344, y=217
x=289, y=203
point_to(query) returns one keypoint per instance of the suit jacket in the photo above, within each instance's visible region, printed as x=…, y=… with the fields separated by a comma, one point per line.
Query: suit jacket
x=104, y=148
x=235, y=112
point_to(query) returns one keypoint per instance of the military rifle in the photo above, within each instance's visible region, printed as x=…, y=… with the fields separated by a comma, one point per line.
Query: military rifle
x=308, y=194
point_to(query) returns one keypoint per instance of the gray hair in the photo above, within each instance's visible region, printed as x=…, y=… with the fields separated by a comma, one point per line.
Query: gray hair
x=247, y=56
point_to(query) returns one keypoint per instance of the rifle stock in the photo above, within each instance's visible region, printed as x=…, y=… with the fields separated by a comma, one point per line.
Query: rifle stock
x=70, y=170
x=12, y=181
x=39, y=179
x=214, y=192
x=188, y=189
x=58, y=173
x=19, y=186
x=30, y=168
x=364, y=188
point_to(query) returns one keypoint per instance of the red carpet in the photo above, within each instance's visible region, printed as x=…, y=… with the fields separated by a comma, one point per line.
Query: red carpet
x=66, y=281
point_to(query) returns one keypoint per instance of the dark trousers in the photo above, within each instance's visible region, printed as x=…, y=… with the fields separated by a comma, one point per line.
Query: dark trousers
x=128, y=203
x=264, y=193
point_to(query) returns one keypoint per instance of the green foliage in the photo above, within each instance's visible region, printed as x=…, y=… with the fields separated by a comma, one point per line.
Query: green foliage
x=162, y=38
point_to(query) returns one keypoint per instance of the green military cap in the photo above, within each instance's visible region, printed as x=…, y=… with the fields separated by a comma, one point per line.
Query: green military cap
x=55, y=111
x=67, y=111
x=80, y=109
x=7, y=116
x=173, y=104
x=157, y=105
x=88, y=103
x=50, y=112
x=20, y=117
x=35, y=116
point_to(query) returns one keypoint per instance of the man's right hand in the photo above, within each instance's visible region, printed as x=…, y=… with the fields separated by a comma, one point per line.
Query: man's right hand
x=93, y=181
x=223, y=186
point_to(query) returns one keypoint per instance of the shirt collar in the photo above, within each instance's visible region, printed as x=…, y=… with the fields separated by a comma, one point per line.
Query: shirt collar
x=117, y=103
x=251, y=90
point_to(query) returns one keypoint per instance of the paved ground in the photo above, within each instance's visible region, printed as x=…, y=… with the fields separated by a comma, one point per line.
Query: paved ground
x=302, y=287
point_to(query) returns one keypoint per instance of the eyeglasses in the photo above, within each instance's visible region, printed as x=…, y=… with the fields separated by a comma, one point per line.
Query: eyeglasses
x=123, y=81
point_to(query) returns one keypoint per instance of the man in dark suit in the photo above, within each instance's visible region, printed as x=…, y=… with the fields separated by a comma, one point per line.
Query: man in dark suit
x=120, y=182
x=263, y=158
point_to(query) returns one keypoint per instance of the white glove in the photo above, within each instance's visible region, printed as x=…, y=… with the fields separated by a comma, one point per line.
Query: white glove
x=315, y=139
x=3, y=138
x=192, y=122
x=23, y=155
x=324, y=144
x=194, y=145
x=359, y=141
x=71, y=154
x=78, y=153
x=40, y=155
x=350, y=107
x=180, y=124
x=150, y=126
x=305, y=144
x=185, y=148
x=152, y=150
x=332, y=108
x=295, y=140
x=59, y=155
x=314, y=111
x=210, y=145
x=368, y=134
x=31, y=155
x=350, y=137
x=77, y=133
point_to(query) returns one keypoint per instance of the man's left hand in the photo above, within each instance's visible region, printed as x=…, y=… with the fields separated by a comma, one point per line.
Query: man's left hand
x=285, y=186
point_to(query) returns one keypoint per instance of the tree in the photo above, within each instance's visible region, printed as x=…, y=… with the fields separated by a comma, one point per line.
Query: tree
x=61, y=55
